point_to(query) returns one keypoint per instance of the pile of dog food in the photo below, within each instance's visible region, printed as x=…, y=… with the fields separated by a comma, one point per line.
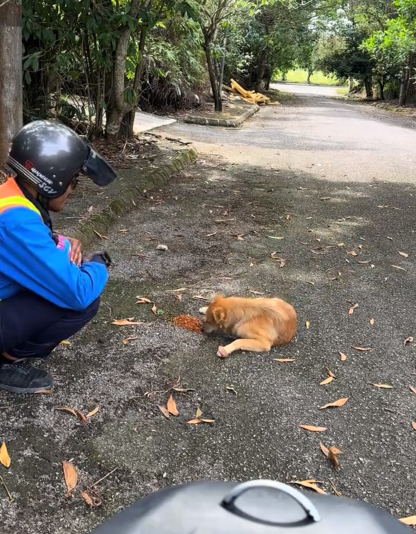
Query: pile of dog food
x=187, y=321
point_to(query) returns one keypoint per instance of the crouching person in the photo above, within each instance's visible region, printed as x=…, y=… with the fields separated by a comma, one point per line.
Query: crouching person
x=47, y=291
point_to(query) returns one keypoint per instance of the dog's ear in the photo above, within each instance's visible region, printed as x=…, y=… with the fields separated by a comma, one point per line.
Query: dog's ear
x=218, y=315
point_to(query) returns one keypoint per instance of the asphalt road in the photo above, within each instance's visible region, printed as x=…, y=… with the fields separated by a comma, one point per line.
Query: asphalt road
x=327, y=187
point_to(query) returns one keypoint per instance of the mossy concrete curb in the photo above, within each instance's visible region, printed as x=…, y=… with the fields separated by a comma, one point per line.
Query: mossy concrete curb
x=124, y=202
x=226, y=123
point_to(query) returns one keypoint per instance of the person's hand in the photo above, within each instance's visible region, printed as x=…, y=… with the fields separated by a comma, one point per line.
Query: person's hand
x=75, y=255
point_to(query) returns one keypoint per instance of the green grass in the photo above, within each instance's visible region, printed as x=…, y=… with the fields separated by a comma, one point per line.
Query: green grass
x=300, y=76
x=342, y=90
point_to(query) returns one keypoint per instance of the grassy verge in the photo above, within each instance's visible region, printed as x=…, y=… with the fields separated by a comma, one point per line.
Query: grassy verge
x=301, y=75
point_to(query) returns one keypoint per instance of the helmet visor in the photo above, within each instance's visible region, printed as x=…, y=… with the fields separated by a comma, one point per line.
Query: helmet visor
x=96, y=168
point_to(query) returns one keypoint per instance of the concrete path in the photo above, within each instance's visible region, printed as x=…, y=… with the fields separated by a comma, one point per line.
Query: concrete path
x=144, y=122
x=305, y=89
x=313, y=202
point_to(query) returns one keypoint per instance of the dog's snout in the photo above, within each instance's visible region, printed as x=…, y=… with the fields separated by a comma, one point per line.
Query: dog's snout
x=208, y=328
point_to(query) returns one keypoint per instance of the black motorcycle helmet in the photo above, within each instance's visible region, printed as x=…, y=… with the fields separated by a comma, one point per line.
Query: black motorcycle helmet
x=50, y=155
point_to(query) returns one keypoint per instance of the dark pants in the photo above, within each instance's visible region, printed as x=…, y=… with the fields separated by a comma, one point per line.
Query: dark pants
x=31, y=327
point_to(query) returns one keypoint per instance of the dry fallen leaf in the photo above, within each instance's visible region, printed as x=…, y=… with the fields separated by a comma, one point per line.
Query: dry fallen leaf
x=412, y=389
x=255, y=292
x=125, y=322
x=154, y=309
x=326, y=381
x=371, y=322
x=194, y=421
x=66, y=409
x=65, y=342
x=308, y=484
x=333, y=457
x=143, y=300
x=307, y=324
x=171, y=406
x=284, y=360
x=92, y=412
x=414, y=426
x=408, y=340
x=179, y=297
x=87, y=498
x=335, y=404
x=330, y=373
x=410, y=521
x=45, y=391
x=397, y=267
x=364, y=262
x=99, y=235
x=312, y=428
x=404, y=254
x=342, y=356
x=382, y=386
x=353, y=253
x=231, y=388
x=337, y=493
x=4, y=456
x=362, y=349
x=127, y=339
x=198, y=412
x=351, y=310
x=208, y=420
x=71, y=477
x=324, y=449
x=81, y=416
x=164, y=411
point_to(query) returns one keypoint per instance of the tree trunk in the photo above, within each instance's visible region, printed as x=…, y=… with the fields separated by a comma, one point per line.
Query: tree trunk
x=402, y=94
x=260, y=71
x=308, y=79
x=368, y=87
x=129, y=119
x=222, y=64
x=381, y=88
x=212, y=76
x=11, y=113
x=117, y=106
x=350, y=84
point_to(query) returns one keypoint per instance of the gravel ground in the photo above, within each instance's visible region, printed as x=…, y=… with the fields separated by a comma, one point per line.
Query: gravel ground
x=339, y=234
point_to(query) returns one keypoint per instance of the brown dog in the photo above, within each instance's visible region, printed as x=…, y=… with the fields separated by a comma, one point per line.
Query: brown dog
x=260, y=323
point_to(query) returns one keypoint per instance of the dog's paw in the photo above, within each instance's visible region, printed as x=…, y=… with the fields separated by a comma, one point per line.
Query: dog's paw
x=222, y=353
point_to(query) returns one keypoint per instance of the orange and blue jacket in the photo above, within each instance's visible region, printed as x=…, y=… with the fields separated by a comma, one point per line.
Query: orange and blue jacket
x=31, y=259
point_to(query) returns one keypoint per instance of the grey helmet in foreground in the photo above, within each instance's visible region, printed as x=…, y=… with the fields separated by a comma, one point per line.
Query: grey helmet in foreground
x=50, y=155
x=257, y=507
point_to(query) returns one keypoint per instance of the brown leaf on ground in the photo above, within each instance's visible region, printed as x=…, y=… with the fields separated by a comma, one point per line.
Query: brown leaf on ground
x=372, y=321
x=351, y=310
x=208, y=420
x=336, y=404
x=81, y=416
x=326, y=381
x=333, y=457
x=231, y=388
x=4, y=455
x=414, y=426
x=71, y=477
x=412, y=389
x=342, y=356
x=330, y=373
x=65, y=342
x=284, y=360
x=45, y=391
x=125, y=322
x=382, y=386
x=408, y=340
x=194, y=421
x=337, y=493
x=399, y=268
x=324, y=449
x=99, y=235
x=93, y=412
x=127, y=339
x=325, y=198
x=154, y=309
x=308, y=484
x=363, y=262
x=410, y=521
x=307, y=324
x=171, y=406
x=179, y=297
x=198, y=412
x=404, y=254
x=66, y=409
x=362, y=349
x=87, y=498
x=353, y=253
x=164, y=411
x=143, y=300
x=312, y=428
